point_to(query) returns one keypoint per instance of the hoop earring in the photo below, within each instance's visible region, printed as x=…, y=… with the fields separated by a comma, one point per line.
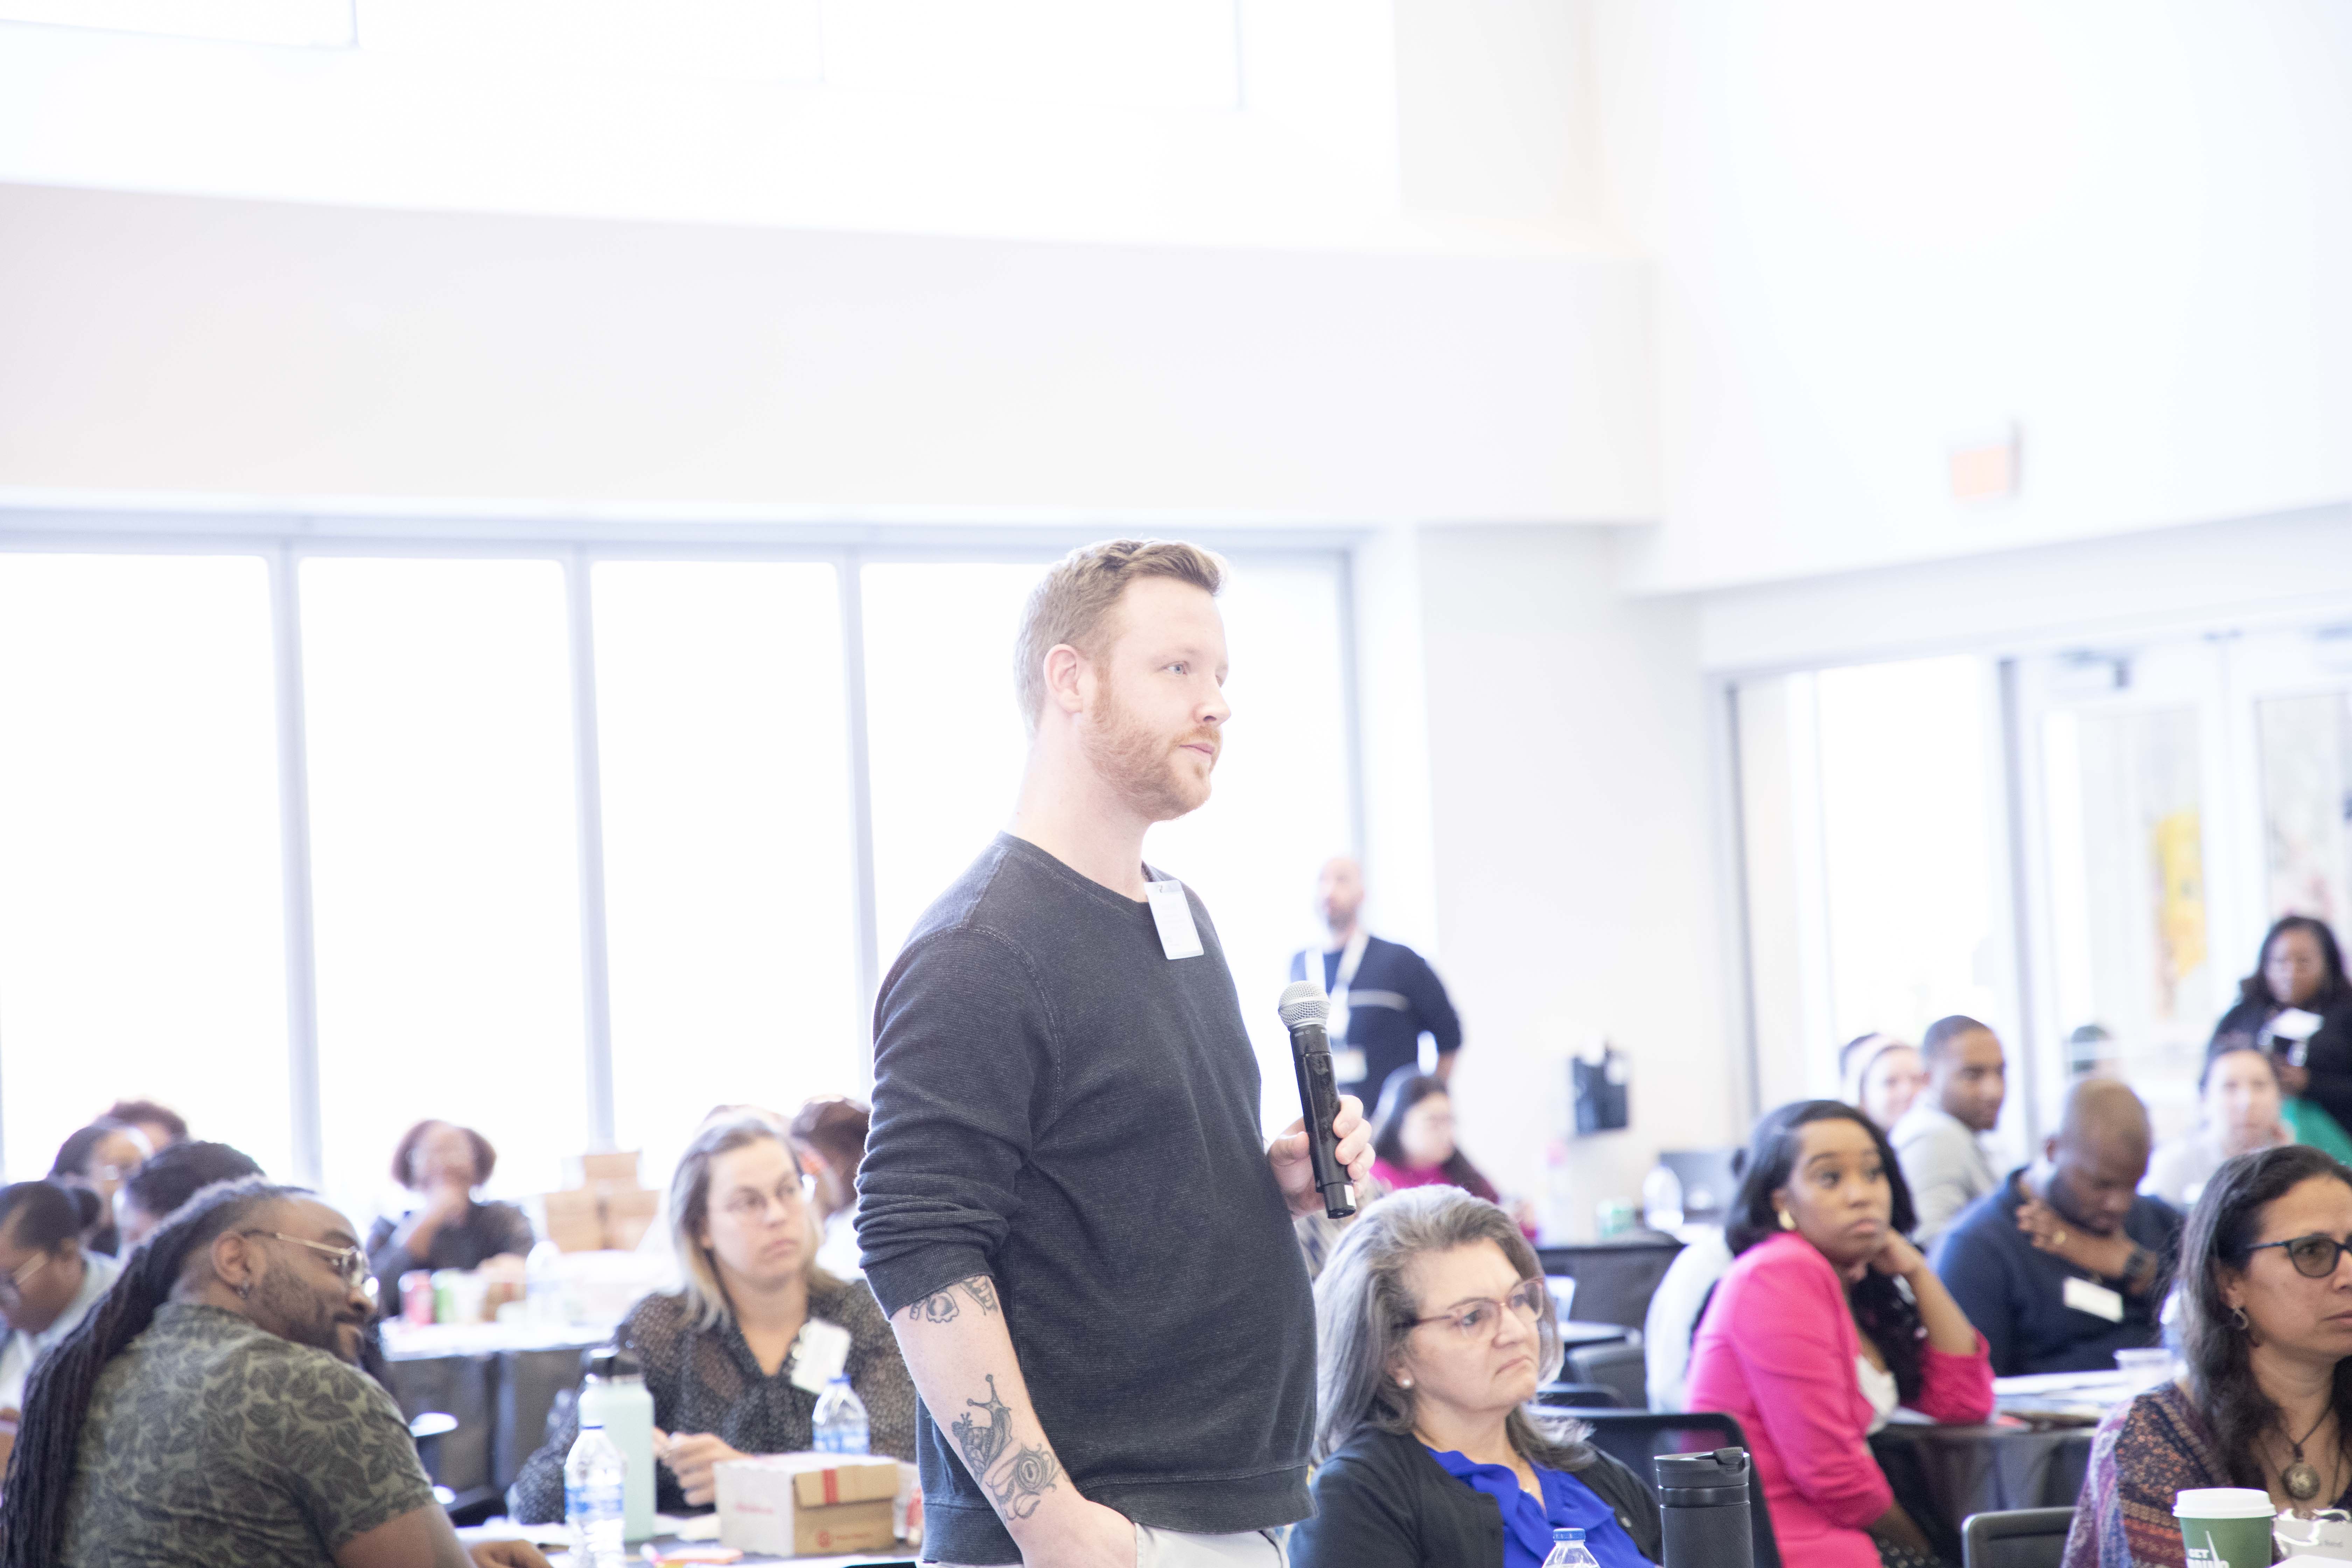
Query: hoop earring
x=1788, y=1220
x=2239, y=1322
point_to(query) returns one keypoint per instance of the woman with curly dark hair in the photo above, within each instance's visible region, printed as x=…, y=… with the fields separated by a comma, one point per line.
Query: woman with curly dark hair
x=1829, y=1320
x=2299, y=977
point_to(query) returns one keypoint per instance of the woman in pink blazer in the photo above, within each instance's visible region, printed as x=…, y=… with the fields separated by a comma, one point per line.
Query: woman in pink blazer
x=1828, y=1320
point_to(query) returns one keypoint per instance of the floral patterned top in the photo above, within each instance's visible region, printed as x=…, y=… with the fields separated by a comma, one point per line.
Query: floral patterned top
x=2146, y=1453
x=706, y=1380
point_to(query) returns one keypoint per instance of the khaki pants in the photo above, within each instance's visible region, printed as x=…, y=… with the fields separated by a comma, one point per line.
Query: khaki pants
x=1167, y=1549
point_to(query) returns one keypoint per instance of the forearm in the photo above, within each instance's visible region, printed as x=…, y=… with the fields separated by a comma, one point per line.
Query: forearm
x=961, y=1356
x=1948, y=1328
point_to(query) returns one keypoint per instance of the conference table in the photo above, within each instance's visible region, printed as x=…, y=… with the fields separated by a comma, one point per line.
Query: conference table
x=498, y=1382
x=2035, y=1456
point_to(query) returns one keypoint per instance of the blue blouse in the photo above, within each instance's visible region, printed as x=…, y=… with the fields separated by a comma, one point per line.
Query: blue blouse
x=1568, y=1504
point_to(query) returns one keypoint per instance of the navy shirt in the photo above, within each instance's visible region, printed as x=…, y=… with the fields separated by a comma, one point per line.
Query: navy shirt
x=1394, y=999
x=2015, y=1294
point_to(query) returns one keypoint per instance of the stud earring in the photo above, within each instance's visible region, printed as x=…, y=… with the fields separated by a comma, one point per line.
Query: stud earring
x=1788, y=1220
x=1404, y=1382
x=245, y=1291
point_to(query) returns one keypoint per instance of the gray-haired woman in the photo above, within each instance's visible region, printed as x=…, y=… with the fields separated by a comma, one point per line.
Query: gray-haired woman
x=1434, y=1331
x=736, y=1360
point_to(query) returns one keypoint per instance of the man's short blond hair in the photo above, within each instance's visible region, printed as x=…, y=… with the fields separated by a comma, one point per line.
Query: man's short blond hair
x=1077, y=597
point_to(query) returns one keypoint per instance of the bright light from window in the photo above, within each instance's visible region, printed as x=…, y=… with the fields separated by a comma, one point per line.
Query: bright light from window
x=1280, y=806
x=445, y=860
x=727, y=874
x=141, y=914
x=944, y=735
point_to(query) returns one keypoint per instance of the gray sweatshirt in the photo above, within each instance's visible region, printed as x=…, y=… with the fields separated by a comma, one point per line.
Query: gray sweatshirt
x=1059, y=1106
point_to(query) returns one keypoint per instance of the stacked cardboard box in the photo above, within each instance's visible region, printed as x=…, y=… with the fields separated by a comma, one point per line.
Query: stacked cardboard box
x=799, y=1505
x=603, y=1206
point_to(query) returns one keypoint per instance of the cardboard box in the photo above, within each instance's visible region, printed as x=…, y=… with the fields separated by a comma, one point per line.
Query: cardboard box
x=613, y=1167
x=805, y=1505
x=628, y=1215
x=575, y=1221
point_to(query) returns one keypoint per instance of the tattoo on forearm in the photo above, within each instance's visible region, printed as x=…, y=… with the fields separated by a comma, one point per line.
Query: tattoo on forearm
x=943, y=1307
x=1016, y=1479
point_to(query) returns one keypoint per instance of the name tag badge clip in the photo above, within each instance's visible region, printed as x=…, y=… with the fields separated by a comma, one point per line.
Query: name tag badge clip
x=819, y=1354
x=2086, y=1296
x=1172, y=913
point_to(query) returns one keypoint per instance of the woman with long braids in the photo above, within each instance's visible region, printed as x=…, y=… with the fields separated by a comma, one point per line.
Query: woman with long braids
x=1828, y=1321
x=2266, y=1293
x=207, y=1411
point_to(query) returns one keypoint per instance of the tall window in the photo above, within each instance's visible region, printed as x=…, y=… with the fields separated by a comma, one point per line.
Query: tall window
x=458, y=953
x=1873, y=874
x=445, y=854
x=728, y=864
x=141, y=922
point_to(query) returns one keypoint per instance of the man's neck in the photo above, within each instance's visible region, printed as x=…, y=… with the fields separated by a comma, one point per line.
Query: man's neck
x=1067, y=810
x=1340, y=937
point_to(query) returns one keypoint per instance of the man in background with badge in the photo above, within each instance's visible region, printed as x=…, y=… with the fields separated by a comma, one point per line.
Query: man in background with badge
x=1384, y=995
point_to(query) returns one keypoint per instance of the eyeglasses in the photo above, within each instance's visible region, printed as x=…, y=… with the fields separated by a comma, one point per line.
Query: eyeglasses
x=748, y=1203
x=350, y=1262
x=2314, y=1257
x=24, y=1271
x=1475, y=1320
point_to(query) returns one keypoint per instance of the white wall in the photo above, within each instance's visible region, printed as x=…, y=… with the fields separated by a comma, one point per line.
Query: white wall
x=178, y=346
x=1192, y=121
x=1577, y=889
x=1878, y=230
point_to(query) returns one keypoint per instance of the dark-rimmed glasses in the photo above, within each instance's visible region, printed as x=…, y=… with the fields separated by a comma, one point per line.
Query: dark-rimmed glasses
x=2314, y=1257
x=350, y=1262
x=1475, y=1320
x=23, y=1273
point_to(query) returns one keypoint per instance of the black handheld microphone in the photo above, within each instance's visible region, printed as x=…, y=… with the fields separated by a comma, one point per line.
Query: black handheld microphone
x=1305, y=1010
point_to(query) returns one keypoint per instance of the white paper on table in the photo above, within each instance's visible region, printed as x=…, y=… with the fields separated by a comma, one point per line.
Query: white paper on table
x=2326, y=1539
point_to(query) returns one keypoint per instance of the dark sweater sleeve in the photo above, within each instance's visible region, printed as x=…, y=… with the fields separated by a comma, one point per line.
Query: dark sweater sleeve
x=1977, y=1278
x=960, y=1035
x=1358, y=1521
x=388, y=1260
x=1427, y=995
x=505, y=1228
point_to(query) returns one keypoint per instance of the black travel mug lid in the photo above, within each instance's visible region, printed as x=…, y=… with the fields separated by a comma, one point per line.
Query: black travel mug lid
x=612, y=1361
x=1714, y=1468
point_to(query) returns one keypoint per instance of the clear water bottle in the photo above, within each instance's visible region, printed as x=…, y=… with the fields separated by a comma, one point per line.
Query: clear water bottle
x=1662, y=1198
x=1568, y=1551
x=595, y=1498
x=840, y=1419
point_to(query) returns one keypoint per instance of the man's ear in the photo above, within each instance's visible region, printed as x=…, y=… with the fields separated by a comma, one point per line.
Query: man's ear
x=1065, y=670
x=2050, y=1150
x=233, y=1259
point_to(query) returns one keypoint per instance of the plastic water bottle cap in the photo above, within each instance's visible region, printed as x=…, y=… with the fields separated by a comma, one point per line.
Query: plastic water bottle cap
x=1568, y=1535
x=588, y=1425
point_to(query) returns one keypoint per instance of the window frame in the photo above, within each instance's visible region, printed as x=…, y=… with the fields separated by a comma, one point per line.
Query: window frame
x=577, y=544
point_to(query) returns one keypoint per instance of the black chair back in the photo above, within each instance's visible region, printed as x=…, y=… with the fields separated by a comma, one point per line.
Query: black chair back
x=1614, y=1280
x=1635, y=1438
x=1620, y=1366
x=1581, y=1396
x=2016, y=1537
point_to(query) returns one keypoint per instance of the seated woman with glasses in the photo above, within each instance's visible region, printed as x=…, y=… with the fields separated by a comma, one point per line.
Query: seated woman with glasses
x=736, y=1360
x=2266, y=1322
x=1432, y=1332
x=1828, y=1321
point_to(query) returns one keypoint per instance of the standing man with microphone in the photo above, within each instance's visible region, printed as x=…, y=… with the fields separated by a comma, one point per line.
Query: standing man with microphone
x=1064, y=1206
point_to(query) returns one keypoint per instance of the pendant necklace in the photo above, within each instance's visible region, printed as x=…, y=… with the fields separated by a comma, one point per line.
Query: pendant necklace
x=2301, y=1481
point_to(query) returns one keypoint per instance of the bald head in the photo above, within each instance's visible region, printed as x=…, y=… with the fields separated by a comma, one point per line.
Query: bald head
x=1339, y=895
x=2095, y=1160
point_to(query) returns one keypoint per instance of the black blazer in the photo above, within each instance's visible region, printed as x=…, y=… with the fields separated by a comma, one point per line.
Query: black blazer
x=2329, y=1052
x=1382, y=1503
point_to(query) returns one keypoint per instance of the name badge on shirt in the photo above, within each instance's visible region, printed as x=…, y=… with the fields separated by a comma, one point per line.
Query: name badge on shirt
x=1172, y=913
x=819, y=1354
x=2086, y=1296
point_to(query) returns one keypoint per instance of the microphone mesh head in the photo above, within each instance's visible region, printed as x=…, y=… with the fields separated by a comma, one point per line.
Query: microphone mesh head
x=1303, y=1002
